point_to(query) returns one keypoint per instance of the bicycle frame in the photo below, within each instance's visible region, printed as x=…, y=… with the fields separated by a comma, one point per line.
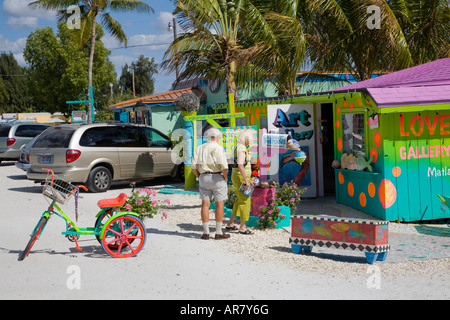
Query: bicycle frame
x=116, y=235
x=73, y=230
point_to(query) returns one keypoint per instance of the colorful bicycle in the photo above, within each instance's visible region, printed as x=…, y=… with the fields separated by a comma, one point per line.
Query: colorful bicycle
x=121, y=234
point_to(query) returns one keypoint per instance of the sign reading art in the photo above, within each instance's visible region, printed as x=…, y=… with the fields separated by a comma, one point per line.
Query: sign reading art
x=295, y=121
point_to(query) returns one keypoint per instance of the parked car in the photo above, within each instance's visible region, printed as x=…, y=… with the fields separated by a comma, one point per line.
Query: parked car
x=24, y=157
x=14, y=136
x=97, y=154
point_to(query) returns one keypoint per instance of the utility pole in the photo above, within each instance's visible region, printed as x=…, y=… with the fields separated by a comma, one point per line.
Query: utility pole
x=134, y=91
x=174, y=28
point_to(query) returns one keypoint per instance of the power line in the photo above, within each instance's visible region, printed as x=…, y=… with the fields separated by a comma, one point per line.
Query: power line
x=140, y=45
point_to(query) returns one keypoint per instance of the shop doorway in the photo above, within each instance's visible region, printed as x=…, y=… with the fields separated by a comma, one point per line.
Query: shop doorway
x=327, y=141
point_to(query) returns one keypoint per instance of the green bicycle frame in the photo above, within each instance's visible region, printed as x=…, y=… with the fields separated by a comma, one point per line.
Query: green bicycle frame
x=75, y=230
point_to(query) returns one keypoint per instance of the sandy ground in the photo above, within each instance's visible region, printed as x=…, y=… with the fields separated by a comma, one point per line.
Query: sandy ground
x=176, y=264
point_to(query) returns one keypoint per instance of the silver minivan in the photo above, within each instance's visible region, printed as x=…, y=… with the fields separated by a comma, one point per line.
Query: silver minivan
x=97, y=154
x=14, y=136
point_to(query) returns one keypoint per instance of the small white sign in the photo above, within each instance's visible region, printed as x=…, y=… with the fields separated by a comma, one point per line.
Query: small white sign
x=271, y=140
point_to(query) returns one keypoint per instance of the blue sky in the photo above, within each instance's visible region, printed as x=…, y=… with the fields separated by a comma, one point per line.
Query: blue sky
x=147, y=32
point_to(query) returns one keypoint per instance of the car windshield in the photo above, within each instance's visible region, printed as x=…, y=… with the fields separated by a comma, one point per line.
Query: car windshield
x=54, y=138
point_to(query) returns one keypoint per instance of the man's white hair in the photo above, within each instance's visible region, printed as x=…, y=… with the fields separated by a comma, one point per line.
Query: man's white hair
x=213, y=132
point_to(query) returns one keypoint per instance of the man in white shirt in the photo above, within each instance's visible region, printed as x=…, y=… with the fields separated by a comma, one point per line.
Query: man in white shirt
x=209, y=164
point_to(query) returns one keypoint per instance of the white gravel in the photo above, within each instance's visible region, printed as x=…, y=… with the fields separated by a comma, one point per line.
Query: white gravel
x=272, y=246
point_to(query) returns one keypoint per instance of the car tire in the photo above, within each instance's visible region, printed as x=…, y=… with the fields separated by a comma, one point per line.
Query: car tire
x=99, y=180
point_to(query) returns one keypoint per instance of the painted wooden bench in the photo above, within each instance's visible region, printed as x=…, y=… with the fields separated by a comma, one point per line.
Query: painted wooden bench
x=368, y=236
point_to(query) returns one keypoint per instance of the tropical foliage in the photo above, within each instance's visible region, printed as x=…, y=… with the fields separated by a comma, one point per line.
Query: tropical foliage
x=212, y=44
x=144, y=69
x=14, y=95
x=89, y=10
x=58, y=71
x=246, y=43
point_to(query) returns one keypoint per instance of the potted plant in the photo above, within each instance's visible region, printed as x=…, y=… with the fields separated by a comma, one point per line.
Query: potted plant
x=143, y=202
x=280, y=206
x=187, y=104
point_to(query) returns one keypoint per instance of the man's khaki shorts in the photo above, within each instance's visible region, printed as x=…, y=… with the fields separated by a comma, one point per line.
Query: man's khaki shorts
x=212, y=184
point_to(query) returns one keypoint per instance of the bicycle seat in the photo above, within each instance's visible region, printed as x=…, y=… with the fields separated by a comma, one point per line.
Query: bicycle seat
x=113, y=202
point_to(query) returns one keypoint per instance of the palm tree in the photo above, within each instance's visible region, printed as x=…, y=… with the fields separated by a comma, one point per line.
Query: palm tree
x=364, y=50
x=246, y=43
x=426, y=24
x=212, y=44
x=90, y=9
x=291, y=22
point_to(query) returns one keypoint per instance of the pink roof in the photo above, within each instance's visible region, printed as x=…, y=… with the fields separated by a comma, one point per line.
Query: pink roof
x=432, y=73
x=408, y=96
x=428, y=83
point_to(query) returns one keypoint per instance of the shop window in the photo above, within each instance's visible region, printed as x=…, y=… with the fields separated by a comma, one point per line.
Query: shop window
x=241, y=122
x=263, y=123
x=353, y=135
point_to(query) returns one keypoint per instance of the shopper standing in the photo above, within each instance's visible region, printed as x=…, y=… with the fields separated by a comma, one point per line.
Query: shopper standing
x=209, y=164
x=241, y=174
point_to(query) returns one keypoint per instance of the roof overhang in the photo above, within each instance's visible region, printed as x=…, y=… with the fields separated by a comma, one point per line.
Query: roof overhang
x=159, y=99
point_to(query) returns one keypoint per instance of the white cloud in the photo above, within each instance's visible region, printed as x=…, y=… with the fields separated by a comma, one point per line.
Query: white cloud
x=150, y=41
x=120, y=60
x=21, y=15
x=14, y=46
x=20, y=59
x=19, y=22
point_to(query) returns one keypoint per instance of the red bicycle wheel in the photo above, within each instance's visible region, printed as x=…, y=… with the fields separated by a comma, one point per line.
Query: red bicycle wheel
x=124, y=236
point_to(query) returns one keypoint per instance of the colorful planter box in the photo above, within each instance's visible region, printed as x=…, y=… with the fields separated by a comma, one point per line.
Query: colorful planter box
x=369, y=236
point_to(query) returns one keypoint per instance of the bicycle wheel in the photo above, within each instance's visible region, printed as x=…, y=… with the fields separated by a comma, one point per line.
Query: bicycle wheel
x=124, y=236
x=101, y=220
x=37, y=231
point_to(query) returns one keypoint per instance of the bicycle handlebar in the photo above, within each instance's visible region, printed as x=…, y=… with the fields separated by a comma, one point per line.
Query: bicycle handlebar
x=83, y=187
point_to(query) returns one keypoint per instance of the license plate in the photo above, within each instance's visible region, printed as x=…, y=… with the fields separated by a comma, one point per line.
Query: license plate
x=45, y=159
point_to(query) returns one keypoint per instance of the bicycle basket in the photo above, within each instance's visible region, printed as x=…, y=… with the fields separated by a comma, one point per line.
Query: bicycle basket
x=58, y=190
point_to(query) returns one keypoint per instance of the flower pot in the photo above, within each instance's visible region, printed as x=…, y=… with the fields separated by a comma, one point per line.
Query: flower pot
x=253, y=220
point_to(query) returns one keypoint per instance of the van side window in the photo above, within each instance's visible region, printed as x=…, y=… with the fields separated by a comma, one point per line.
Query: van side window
x=130, y=137
x=98, y=137
x=157, y=139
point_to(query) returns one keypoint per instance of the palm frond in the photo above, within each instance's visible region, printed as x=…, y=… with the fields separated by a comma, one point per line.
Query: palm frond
x=114, y=28
x=129, y=5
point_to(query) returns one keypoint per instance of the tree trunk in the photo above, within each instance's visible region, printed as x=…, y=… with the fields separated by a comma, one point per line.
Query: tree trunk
x=231, y=79
x=91, y=62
